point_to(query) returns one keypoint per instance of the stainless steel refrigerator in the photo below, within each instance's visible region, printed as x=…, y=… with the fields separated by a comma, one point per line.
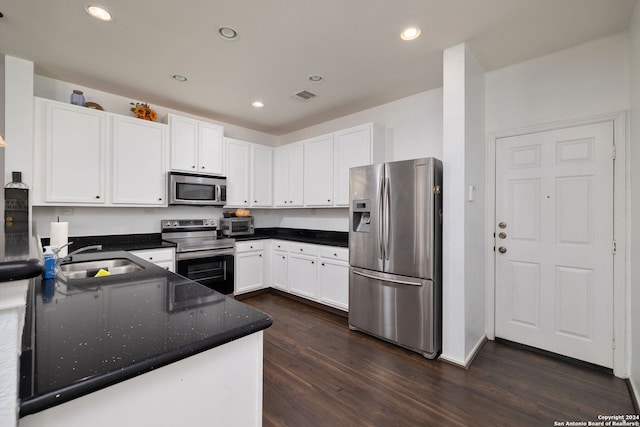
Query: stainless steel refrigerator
x=395, y=253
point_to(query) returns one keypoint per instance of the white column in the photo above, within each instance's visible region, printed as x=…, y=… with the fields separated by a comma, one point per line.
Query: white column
x=18, y=118
x=634, y=216
x=464, y=210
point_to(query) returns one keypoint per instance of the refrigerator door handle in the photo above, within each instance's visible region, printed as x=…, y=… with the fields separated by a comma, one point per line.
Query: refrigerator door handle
x=399, y=282
x=381, y=244
x=387, y=218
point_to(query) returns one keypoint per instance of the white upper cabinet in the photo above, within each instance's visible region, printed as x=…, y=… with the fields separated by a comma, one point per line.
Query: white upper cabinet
x=288, y=176
x=322, y=177
x=356, y=146
x=261, y=175
x=237, y=153
x=318, y=171
x=72, y=167
x=75, y=153
x=136, y=182
x=196, y=146
x=211, y=148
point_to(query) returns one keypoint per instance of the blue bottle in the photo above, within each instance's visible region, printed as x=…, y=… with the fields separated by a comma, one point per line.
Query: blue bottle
x=49, y=264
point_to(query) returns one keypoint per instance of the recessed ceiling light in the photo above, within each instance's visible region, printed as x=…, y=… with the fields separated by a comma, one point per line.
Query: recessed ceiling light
x=179, y=77
x=257, y=104
x=98, y=12
x=228, y=33
x=410, y=33
x=315, y=78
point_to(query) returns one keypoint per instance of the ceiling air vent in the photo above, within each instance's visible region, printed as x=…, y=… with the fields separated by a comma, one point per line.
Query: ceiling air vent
x=303, y=95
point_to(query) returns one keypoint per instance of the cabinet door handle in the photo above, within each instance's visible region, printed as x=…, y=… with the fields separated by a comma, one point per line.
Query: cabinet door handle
x=260, y=255
x=193, y=167
x=313, y=262
x=283, y=257
x=322, y=264
x=159, y=199
x=335, y=255
x=150, y=258
x=97, y=197
x=202, y=167
x=301, y=250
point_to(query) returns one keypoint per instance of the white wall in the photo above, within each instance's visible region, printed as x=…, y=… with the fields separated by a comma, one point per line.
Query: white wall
x=586, y=80
x=90, y=221
x=634, y=252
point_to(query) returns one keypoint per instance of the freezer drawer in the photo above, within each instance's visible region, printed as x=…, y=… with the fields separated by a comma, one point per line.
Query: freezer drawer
x=403, y=310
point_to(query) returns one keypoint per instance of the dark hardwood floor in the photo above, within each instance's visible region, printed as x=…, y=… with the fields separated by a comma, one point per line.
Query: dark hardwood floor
x=319, y=373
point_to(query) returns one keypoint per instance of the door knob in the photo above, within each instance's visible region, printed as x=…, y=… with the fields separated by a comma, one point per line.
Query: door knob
x=502, y=249
x=502, y=235
x=502, y=224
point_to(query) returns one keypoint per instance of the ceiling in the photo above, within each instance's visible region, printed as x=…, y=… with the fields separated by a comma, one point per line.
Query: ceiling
x=353, y=44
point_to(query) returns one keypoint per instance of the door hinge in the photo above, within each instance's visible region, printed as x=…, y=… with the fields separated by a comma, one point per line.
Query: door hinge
x=614, y=152
x=613, y=342
x=613, y=247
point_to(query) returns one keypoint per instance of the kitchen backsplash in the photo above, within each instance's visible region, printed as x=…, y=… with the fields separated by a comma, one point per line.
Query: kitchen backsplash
x=87, y=221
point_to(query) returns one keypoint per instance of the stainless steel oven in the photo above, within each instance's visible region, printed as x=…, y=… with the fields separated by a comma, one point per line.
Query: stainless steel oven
x=200, y=255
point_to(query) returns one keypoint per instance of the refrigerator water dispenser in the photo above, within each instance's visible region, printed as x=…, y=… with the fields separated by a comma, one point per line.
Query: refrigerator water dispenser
x=361, y=216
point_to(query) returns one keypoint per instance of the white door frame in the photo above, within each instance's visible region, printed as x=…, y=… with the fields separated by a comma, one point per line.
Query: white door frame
x=621, y=292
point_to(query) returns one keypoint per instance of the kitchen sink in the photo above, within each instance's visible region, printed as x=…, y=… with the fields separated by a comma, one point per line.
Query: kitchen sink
x=88, y=269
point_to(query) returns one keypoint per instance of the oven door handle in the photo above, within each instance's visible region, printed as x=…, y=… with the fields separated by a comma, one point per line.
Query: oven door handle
x=183, y=256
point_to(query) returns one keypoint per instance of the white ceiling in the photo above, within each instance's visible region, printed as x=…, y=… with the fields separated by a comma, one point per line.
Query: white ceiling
x=353, y=44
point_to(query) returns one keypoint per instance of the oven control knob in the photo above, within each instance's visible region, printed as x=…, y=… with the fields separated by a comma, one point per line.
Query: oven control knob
x=168, y=224
x=175, y=223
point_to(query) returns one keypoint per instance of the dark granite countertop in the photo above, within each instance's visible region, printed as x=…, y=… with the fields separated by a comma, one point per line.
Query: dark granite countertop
x=20, y=252
x=318, y=237
x=91, y=333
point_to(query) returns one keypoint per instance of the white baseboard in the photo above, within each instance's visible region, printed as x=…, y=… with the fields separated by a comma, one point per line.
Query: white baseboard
x=466, y=363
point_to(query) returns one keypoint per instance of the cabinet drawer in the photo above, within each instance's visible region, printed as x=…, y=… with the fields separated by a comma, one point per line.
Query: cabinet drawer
x=280, y=245
x=155, y=255
x=303, y=248
x=333, y=252
x=253, y=245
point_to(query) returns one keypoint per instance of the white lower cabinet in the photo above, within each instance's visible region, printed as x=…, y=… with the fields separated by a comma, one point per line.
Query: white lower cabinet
x=162, y=257
x=333, y=277
x=316, y=272
x=280, y=270
x=303, y=275
x=249, y=266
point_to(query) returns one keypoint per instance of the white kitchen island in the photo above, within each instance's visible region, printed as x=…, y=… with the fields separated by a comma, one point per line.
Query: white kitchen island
x=218, y=387
x=146, y=348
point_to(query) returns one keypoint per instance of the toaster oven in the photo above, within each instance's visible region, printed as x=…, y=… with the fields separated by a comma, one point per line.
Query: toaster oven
x=236, y=226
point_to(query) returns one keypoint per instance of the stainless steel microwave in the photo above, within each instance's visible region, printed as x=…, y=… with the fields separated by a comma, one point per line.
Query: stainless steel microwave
x=201, y=190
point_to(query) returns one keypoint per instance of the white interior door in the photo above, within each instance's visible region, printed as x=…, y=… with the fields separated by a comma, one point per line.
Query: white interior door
x=554, y=241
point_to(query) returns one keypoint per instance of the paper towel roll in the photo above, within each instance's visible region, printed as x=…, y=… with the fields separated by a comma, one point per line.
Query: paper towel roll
x=60, y=237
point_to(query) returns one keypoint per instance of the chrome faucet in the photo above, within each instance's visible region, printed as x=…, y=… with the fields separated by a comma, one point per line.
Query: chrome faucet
x=77, y=251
